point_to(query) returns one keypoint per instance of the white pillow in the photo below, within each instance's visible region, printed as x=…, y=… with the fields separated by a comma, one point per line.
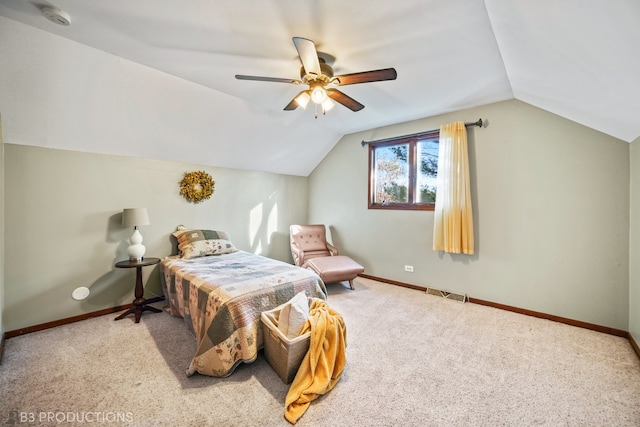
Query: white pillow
x=293, y=315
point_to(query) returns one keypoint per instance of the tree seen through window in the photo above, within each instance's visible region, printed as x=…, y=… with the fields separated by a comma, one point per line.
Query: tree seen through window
x=403, y=172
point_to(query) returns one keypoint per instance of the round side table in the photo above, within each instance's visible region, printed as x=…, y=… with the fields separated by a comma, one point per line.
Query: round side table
x=139, y=303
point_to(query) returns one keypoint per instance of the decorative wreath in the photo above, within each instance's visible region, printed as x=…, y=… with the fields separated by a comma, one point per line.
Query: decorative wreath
x=197, y=186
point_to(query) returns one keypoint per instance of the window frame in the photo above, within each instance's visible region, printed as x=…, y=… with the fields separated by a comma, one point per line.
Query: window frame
x=412, y=140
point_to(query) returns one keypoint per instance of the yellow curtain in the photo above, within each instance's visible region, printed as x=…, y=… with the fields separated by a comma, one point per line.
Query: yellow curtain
x=453, y=221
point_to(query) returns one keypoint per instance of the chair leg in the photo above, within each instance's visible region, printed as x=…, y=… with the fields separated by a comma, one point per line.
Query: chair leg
x=351, y=284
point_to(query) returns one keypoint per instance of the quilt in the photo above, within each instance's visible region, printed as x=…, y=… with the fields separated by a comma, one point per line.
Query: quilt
x=220, y=298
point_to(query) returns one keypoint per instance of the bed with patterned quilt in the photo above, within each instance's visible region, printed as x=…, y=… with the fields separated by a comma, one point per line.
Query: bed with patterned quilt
x=221, y=291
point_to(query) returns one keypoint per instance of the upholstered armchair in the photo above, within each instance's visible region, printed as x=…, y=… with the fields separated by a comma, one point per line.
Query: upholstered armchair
x=310, y=249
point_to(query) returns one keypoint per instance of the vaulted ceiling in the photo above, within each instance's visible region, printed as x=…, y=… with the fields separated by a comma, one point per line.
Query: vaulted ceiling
x=576, y=58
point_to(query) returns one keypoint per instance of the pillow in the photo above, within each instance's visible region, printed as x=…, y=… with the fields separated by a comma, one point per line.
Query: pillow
x=199, y=243
x=293, y=315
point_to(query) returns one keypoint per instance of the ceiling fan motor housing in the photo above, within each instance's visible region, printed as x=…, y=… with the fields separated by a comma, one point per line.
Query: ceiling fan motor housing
x=325, y=77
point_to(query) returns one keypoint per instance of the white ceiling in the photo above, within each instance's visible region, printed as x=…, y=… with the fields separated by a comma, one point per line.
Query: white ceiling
x=579, y=59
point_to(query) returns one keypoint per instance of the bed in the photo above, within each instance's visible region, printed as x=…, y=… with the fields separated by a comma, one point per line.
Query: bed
x=220, y=294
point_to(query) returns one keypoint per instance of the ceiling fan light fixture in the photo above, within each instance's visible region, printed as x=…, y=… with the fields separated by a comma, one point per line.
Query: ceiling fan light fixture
x=303, y=99
x=327, y=105
x=318, y=94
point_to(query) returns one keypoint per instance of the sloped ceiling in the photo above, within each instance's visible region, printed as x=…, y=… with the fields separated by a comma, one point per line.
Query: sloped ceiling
x=575, y=58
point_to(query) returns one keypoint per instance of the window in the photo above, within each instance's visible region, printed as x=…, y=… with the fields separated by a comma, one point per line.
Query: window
x=403, y=172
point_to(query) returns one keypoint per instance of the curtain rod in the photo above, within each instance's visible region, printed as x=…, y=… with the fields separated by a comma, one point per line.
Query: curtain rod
x=477, y=123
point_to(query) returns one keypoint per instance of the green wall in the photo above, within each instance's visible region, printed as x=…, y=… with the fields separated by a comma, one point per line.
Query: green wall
x=2, y=239
x=63, y=224
x=551, y=211
x=634, y=245
x=551, y=215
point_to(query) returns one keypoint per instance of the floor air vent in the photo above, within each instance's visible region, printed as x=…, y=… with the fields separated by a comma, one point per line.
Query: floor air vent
x=448, y=295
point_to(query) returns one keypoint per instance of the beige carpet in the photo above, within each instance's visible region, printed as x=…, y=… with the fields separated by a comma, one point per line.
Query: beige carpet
x=413, y=360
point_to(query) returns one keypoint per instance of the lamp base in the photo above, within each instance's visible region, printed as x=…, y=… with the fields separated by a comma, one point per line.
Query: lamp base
x=137, y=249
x=136, y=252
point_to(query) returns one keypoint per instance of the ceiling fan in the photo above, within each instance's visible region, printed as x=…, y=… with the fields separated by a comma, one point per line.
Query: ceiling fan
x=318, y=74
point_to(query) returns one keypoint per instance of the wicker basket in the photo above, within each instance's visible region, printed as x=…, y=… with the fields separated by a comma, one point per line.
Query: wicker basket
x=283, y=354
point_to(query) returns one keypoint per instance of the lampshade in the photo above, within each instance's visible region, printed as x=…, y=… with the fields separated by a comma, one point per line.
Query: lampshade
x=134, y=217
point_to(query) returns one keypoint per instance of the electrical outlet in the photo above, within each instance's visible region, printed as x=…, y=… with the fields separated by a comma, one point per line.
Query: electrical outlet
x=408, y=268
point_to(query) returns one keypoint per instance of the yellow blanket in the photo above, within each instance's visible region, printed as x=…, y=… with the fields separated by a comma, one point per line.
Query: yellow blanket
x=323, y=364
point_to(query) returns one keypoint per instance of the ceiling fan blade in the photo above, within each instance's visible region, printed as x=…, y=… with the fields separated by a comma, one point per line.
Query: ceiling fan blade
x=308, y=55
x=366, y=77
x=268, y=79
x=344, y=99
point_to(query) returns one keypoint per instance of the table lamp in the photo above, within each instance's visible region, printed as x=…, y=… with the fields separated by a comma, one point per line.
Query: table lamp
x=135, y=217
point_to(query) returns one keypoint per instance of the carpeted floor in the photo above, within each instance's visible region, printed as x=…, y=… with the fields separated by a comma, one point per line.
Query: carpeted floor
x=413, y=360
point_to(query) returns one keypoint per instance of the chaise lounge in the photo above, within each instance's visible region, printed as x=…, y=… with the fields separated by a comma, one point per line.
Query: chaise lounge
x=311, y=250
